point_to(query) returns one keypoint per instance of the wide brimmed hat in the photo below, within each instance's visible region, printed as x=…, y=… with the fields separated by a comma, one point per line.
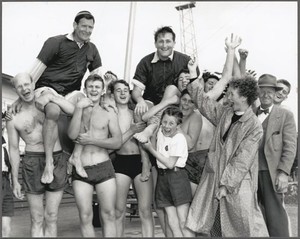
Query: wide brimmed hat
x=267, y=80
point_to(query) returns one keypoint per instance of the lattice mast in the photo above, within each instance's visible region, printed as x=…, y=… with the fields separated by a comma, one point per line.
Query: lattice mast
x=187, y=29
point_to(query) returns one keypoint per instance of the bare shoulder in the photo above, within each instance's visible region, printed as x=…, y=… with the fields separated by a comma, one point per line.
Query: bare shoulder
x=196, y=116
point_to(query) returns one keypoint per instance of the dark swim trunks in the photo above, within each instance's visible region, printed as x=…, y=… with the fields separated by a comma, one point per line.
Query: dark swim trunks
x=130, y=165
x=97, y=173
x=195, y=164
x=33, y=168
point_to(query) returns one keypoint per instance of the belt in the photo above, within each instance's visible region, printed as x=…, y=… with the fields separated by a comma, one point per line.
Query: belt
x=5, y=174
x=162, y=171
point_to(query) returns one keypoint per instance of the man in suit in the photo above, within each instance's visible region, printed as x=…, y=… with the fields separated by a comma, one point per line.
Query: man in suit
x=276, y=156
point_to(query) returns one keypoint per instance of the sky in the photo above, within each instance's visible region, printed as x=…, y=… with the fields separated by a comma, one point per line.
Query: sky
x=268, y=30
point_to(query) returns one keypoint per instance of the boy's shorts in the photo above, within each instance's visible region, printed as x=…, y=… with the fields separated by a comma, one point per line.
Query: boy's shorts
x=173, y=188
x=98, y=173
x=7, y=197
x=33, y=168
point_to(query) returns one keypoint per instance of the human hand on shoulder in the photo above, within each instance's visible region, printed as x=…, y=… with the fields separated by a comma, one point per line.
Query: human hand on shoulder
x=84, y=103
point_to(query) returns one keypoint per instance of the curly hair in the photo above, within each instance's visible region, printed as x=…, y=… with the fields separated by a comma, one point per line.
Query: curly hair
x=173, y=111
x=247, y=87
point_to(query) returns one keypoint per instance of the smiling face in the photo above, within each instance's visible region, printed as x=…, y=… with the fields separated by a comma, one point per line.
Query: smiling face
x=121, y=94
x=94, y=90
x=236, y=101
x=282, y=94
x=24, y=87
x=164, y=45
x=183, y=80
x=83, y=29
x=186, y=105
x=266, y=96
x=169, y=125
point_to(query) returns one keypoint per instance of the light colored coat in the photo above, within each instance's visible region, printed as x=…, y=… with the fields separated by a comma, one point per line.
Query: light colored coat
x=234, y=164
x=281, y=141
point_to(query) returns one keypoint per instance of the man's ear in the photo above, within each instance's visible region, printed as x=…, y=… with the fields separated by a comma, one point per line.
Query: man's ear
x=84, y=91
x=74, y=25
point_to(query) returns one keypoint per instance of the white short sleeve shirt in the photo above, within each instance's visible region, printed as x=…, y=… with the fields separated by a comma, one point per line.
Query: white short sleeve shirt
x=172, y=146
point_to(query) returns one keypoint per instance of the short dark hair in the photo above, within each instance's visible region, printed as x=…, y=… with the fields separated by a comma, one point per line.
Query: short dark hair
x=113, y=84
x=247, y=87
x=285, y=82
x=207, y=75
x=184, y=70
x=84, y=14
x=93, y=78
x=111, y=73
x=184, y=92
x=164, y=30
x=173, y=111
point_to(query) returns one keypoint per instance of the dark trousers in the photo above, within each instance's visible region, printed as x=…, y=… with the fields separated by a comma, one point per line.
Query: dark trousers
x=272, y=206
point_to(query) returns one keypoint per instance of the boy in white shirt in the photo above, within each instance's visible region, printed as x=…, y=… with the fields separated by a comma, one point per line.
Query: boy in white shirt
x=173, y=190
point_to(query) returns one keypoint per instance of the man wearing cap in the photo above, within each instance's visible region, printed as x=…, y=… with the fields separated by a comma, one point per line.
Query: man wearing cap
x=59, y=70
x=276, y=156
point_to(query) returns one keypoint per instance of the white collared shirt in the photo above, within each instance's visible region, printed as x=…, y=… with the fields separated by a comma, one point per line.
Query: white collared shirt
x=156, y=58
x=70, y=36
x=263, y=116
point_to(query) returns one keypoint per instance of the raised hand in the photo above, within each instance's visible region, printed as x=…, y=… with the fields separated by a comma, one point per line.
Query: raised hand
x=192, y=65
x=243, y=53
x=251, y=73
x=233, y=42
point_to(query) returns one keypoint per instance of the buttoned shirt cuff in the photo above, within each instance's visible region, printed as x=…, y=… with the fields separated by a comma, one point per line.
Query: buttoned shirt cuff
x=138, y=84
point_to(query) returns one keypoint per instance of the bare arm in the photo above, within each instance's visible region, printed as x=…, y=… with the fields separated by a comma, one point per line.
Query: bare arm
x=13, y=138
x=193, y=131
x=141, y=106
x=134, y=128
x=114, y=142
x=76, y=121
x=37, y=70
x=242, y=65
x=168, y=162
x=228, y=68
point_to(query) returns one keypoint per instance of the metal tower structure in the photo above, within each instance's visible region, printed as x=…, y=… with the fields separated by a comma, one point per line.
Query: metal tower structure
x=187, y=30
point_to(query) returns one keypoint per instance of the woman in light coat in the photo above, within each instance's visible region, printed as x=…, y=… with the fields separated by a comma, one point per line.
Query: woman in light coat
x=225, y=203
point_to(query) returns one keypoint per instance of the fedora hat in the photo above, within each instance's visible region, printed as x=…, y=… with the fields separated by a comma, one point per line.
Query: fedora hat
x=267, y=80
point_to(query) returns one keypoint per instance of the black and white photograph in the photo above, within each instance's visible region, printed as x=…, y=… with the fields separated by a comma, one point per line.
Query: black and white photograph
x=149, y=119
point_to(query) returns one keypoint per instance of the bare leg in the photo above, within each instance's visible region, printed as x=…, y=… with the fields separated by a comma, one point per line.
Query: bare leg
x=144, y=136
x=76, y=161
x=174, y=221
x=53, y=200
x=50, y=136
x=182, y=212
x=84, y=196
x=144, y=194
x=171, y=96
x=106, y=193
x=36, y=209
x=146, y=164
x=123, y=184
x=6, y=226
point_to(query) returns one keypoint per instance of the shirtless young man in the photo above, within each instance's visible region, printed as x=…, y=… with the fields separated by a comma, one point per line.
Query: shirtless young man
x=28, y=125
x=129, y=164
x=94, y=157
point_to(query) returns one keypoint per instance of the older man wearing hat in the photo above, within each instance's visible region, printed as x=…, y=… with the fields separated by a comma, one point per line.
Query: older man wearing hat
x=58, y=71
x=276, y=156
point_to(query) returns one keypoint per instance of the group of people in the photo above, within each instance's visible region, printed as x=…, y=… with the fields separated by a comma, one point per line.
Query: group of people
x=211, y=154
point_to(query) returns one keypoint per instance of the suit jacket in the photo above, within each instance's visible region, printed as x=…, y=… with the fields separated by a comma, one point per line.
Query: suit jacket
x=280, y=141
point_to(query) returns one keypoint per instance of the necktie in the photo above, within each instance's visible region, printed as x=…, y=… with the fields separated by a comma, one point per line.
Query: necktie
x=260, y=111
